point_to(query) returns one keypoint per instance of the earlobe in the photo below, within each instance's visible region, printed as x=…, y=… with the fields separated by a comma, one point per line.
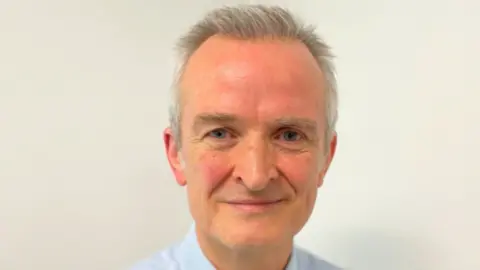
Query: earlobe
x=174, y=157
x=322, y=174
x=330, y=154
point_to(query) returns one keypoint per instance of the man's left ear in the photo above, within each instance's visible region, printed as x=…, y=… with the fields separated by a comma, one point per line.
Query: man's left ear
x=330, y=154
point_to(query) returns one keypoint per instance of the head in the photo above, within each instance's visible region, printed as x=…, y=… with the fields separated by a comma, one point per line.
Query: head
x=252, y=124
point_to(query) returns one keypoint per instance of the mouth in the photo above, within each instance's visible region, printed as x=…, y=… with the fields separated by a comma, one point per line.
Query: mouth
x=254, y=206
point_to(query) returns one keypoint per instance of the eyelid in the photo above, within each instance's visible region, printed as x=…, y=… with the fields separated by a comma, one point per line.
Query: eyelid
x=226, y=129
x=300, y=133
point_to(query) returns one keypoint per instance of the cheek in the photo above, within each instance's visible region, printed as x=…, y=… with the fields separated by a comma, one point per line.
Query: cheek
x=211, y=170
x=301, y=172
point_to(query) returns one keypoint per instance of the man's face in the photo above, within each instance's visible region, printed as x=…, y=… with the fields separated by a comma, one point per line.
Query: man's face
x=253, y=139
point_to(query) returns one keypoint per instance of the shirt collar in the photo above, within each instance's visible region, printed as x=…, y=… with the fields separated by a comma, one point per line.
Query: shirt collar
x=193, y=257
x=191, y=253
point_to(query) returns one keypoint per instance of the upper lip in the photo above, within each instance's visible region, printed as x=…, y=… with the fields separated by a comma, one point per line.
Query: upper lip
x=254, y=201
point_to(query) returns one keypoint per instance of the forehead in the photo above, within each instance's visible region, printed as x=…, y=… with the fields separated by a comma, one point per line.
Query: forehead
x=253, y=78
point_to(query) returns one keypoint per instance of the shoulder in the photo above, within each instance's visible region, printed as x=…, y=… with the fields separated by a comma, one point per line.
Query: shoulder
x=166, y=259
x=308, y=260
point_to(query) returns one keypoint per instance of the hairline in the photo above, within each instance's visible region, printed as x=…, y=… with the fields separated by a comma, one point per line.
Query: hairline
x=319, y=50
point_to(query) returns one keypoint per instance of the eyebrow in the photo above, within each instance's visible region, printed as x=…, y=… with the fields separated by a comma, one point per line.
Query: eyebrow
x=213, y=118
x=306, y=124
x=303, y=123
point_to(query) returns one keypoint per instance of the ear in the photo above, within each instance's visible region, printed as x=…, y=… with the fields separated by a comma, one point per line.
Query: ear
x=174, y=156
x=331, y=153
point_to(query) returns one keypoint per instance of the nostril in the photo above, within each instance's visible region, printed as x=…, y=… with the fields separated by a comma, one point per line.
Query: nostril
x=238, y=179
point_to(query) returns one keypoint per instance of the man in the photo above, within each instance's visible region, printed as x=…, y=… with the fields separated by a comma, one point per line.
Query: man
x=252, y=135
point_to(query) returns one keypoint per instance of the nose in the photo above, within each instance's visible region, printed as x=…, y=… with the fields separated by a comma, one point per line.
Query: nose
x=255, y=165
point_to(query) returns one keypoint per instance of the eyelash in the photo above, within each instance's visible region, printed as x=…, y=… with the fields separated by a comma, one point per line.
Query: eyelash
x=278, y=134
x=298, y=133
x=218, y=129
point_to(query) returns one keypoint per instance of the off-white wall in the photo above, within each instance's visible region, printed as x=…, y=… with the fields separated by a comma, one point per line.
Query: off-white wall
x=84, y=183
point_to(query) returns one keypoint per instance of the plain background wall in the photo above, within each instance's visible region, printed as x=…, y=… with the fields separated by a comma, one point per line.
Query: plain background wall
x=84, y=183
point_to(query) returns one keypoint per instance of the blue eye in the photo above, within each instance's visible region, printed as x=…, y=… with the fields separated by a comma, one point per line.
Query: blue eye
x=218, y=133
x=290, y=135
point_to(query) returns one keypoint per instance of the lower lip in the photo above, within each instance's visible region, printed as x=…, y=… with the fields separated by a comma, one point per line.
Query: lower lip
x=254, y=208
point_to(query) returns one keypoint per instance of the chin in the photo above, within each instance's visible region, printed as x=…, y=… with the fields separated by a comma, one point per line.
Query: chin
x=254, y=234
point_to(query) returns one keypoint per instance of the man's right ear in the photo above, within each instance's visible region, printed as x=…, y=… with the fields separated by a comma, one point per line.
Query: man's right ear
x=174, y=156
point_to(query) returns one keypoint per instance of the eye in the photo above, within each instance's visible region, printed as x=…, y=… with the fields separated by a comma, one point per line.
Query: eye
x=290, y=136
x=219, y=133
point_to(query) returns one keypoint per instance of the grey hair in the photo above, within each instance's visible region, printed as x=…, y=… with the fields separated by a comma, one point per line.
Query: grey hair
x=247, y=22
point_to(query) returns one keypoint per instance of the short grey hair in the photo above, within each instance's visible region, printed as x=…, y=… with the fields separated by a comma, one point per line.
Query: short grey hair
x=247, y=22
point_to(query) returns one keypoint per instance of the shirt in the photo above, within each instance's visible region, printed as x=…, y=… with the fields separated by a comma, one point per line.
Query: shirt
x=187, y=255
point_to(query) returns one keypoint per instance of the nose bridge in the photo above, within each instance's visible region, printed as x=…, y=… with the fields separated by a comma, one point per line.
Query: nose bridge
x=255, y=163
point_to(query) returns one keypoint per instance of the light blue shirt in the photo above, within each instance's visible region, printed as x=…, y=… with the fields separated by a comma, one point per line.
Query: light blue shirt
x=187, y=255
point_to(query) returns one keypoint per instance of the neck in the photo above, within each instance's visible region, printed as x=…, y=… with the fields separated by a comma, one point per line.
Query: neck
x=272, y=257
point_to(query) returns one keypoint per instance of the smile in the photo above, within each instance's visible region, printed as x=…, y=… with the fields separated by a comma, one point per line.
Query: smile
x=254, y=206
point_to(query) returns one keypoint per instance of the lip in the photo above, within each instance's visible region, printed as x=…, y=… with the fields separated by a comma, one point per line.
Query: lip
x=254, y=206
